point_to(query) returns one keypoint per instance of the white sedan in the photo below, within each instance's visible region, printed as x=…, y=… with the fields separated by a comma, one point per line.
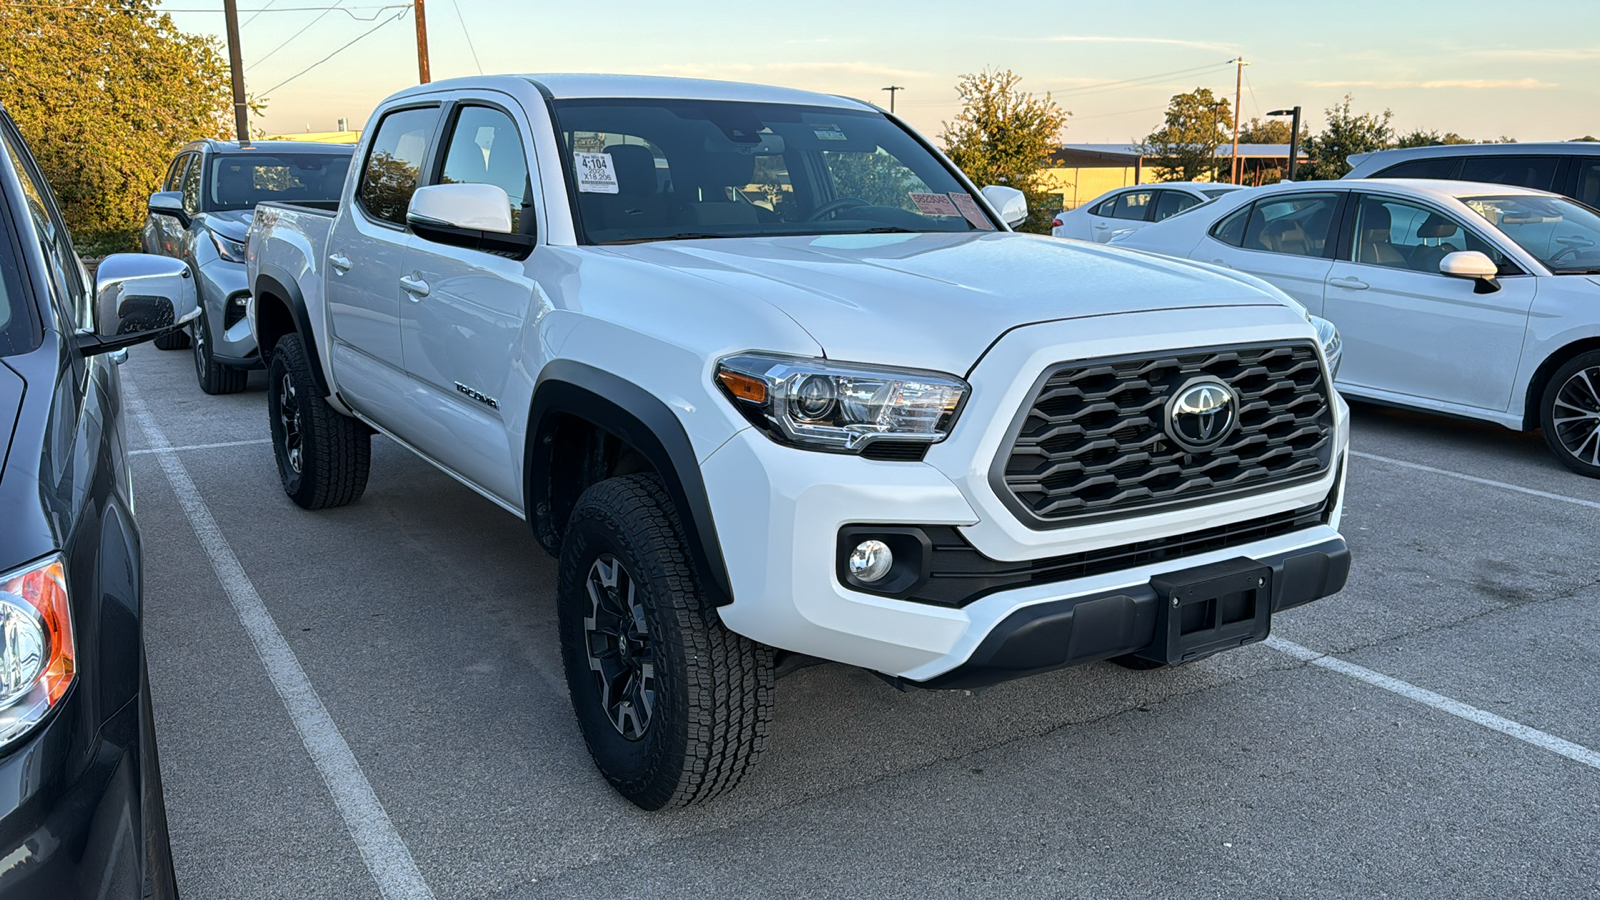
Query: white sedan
x=1475, y=300
x=1131, y=208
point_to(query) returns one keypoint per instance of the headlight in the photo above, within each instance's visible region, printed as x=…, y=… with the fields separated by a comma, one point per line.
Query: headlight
x=840, y=407
x=230, y=250
x=38, y=658
x=1332, y=348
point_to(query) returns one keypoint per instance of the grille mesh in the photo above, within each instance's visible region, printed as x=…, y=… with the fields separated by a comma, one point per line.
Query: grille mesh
x=1093, y=440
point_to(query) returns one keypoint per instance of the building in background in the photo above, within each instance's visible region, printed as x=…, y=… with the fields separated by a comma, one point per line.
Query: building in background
x=1081, y=172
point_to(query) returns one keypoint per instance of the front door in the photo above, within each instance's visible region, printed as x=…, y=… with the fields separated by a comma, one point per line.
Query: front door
x=462, y=316
x=363, y=264
x=1408, y=329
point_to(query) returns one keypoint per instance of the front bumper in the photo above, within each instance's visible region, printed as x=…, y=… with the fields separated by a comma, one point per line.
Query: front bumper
x=222, y=285
x=779, y=513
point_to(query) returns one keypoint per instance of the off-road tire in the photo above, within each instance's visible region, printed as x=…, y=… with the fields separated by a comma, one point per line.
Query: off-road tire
x=335, y=451
x=1569, y=395
x=713, y=688
x=214, y=377
x=173, y=340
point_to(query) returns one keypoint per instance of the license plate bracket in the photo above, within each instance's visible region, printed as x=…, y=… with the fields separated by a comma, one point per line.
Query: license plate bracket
x=1211, y=608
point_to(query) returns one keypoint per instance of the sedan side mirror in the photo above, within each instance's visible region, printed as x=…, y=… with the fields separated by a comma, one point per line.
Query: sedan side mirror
x=1474, y=265
x=1010, y=203
x=138, y=297
x=169, y=203
x=475, y=216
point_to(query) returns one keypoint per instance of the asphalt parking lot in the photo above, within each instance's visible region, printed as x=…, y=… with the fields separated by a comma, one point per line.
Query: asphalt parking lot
x=423, y=619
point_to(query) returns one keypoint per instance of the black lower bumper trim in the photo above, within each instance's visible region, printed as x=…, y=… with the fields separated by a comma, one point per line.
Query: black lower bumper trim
x=1084, y=629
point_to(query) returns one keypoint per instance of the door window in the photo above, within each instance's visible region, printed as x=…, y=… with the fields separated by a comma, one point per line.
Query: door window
x=1538, y=172
x=394, y=163
x=486, y=148
x=191, y=185
x=1170, y=203
x=1588, y=184
x=1131, y=205
x=1434, y=167
x=175, y=173
x=1293, y=224
x=66, y=276
x=1401, y=235
x=1230, y=230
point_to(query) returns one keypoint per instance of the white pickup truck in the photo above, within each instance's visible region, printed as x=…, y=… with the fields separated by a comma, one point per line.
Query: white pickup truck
x=773, y=379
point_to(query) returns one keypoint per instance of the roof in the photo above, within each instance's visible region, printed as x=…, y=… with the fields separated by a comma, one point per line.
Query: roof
x=269, y=146
x=319, y=137
x=1438, y=189
x=592, y=86
x=1545, y=148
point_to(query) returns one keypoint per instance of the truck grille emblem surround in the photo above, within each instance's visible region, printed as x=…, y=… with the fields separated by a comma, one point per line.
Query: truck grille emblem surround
x=1202, y=414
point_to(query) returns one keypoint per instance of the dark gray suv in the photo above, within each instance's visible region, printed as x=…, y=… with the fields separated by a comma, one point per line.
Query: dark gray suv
x=200, y=216
x=1567, y=167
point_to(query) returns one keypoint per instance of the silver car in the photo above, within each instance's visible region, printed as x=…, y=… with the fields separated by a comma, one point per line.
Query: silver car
x=201, y=215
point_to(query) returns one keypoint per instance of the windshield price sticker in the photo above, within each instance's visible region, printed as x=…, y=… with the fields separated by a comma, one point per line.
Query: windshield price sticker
x=969, y=209
x=828, y=133
x=595, y=174
x=935, y=205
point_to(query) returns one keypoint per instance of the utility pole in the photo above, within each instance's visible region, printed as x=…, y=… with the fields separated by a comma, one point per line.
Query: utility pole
x=422, y=41
x=241, y=121
x=891, y=89
x=1238, y=87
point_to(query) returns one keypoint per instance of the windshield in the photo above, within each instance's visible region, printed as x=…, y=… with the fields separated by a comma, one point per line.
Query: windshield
x=1558, y=232
x=661, y=169
x=240, y=181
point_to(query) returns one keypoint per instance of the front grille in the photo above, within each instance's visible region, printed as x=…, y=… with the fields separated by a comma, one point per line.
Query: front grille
x=1093, y=441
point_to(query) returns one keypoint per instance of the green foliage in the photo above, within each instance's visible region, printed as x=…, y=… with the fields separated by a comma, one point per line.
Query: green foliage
x=1186, y=144
x=1346, y=133
x=1421, y=138
x=106, y=91
x=1006, y=136
x=876, y=177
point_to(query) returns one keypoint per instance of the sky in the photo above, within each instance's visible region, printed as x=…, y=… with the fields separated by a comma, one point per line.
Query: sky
x=1530, y=70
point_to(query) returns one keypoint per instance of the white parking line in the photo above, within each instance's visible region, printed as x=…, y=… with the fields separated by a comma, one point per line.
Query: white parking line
x=381, y=847
x=1540, y=739
x=1476, y=480
x=201, y=446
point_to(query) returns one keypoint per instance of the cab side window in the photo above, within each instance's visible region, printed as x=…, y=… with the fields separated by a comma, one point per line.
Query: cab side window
x=486, y=148
x=394, y=163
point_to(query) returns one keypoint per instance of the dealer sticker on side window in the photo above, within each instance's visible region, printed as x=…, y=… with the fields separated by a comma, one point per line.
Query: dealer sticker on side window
x=935, y=204
x=595, y=174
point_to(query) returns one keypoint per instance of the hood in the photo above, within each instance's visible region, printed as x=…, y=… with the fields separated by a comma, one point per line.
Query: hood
x=11, y=389
x=937, y=301
x=231, y=224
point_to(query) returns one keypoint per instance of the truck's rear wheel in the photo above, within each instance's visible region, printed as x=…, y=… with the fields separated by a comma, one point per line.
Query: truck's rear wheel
x=323, y=455
x=674, y=707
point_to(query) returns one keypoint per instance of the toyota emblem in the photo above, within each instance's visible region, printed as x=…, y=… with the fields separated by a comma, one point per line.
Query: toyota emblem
x=1202, y=414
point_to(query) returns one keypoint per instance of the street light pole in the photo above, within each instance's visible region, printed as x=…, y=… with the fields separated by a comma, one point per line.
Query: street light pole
x=1294, y=138
x=892, y=89
x=241, y=112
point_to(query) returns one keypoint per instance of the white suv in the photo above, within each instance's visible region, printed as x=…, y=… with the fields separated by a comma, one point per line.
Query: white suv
x=773, y=378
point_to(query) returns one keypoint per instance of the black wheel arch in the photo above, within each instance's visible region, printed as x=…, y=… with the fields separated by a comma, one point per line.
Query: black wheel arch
x=281, y=310
x=1541, y=377
x=570, y=393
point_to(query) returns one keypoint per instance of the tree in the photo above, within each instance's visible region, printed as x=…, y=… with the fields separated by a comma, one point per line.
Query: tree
x=106, y=91
x=1006, y=136
x=1420, y=138
x=1196, y=123
x=1346, y=133
x=1267, y=131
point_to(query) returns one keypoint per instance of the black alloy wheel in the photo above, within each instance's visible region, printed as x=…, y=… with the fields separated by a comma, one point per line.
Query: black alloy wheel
x=323, y=455
x=621, y=655
x=1570, y=414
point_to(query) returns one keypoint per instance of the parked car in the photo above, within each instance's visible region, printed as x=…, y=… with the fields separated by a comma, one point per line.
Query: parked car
x=1132, y=208
x=1571, y=168
x=849, y=415
x=200, y=216
x=81, y=808
x=1475, y=300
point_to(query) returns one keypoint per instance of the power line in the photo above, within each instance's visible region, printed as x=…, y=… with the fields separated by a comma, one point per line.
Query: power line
x=263, y=58
x=395, y=18
x=462, y=19
x=1102, y=86
x=259, y=12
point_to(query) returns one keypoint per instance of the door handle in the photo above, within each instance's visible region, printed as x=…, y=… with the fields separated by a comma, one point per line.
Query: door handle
x=1218, y=262
x=1352, y=284
x=340, y=262
x=414, y=286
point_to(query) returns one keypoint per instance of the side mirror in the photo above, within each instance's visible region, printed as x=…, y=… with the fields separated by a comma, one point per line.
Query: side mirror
x=138, y=297
x=1473, y=265
x=169, y=203
x=475, y=216
x=1010, y=203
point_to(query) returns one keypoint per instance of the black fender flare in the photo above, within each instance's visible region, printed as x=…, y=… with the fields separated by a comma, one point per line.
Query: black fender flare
x=274, y=280
x=646, y=424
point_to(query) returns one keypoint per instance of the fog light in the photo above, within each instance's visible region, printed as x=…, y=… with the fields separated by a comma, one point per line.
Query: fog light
x=870, y=561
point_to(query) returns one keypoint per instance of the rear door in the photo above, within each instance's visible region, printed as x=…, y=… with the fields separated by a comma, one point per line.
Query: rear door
x=462, y=310
x=1283, y=238
x=366, y=250
x=1122, y=210
x=1408, y=329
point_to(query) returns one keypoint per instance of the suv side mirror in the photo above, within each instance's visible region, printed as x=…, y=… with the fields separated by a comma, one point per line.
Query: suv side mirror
x=1010, y=203
x=138, y=297
x=475, y=216
x=1474, y=265
x=169, y=203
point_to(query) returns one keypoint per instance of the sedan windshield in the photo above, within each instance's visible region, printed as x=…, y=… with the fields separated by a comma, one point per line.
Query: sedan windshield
x=663, y=169
x=1563, y=235
x=240, y=181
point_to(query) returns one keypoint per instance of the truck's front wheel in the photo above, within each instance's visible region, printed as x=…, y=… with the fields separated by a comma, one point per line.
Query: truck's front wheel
x=674, y=707
x=323, y=455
